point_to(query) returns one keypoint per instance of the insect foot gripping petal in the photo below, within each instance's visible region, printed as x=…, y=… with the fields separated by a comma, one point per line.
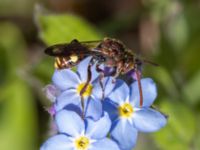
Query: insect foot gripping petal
x=140, y=87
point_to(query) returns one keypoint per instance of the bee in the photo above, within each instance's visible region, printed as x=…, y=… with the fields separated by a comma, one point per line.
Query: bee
x=110, y=52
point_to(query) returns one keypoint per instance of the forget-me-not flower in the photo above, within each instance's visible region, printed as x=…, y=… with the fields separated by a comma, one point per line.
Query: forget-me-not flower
x=75, y=134
x=71, y=83
x=123, y=106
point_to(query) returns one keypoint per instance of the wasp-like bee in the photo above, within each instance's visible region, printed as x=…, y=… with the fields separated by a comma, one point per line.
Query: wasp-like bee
x=110, y=52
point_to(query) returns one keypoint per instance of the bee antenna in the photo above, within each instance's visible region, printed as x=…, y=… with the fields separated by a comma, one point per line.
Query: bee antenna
x=150, y=62
x=138, y=61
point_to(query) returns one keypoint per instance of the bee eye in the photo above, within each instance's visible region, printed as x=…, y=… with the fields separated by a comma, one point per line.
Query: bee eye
x=71, y=63
x=101, y=59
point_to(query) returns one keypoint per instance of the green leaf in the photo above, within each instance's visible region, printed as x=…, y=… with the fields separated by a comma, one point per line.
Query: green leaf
x=17, y=117
x=64, y=28
x=197, y=142
x=166, y=139
x=197, y=137
x=12, y=42
x=44, y=70
x=165, y=80
x=12, y=50
x=20, y=8
x=180, y=129
x=191, y=90
x=177, y=32
x=189, y=59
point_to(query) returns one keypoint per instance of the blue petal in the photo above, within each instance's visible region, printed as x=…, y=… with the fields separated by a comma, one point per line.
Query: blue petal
x=95, y=74
x=69, y=122
x=107, y=84
x=93, y=108
x=111, y=108
x=97, y=91
x=124, y=134
x=51, y=92
x=82, y=70
x=149, y=120
x=65, y=98
x=149, y=92
x=105, y=144
x=65, y=79
x=75, y=108
x=120, y=93
x=58, y=142
x=98, y=129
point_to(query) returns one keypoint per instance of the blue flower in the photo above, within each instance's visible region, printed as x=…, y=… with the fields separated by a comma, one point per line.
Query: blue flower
x=51, y=92
x=128, y=117
x=75, y=134
x=71, y=83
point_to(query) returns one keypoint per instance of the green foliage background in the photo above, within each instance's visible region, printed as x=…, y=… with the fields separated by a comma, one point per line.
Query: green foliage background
x=173, y=30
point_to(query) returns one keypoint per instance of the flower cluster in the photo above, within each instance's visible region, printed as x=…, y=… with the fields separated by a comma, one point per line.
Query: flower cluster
x=105, y=114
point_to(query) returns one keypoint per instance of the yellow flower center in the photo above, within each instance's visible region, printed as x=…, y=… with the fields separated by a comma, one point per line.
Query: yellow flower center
x=125, y=110
x=87, y=91
x=82, y=143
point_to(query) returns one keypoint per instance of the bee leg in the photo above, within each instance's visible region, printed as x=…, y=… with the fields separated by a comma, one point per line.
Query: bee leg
x=117, y=73
x=118, y=70
x=86, y=84
x=138, y=75
x=83, y=107
x=89, y=77
x=101, y=77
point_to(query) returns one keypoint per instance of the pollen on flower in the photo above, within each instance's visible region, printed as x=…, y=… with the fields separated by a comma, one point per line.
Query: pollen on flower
x=125, y=110
x=82, y=143
x=87, y=91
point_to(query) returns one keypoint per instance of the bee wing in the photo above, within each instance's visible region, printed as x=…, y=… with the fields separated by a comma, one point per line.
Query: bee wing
x=55, y=50
x=142, y=59
x=146, y=61
x=150, y=62
x=74, y=47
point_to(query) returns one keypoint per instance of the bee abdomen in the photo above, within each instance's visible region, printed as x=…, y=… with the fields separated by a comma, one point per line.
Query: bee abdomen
x=61, y=63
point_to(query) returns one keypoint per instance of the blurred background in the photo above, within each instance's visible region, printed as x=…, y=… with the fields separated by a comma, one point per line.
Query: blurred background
x=164, y=31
